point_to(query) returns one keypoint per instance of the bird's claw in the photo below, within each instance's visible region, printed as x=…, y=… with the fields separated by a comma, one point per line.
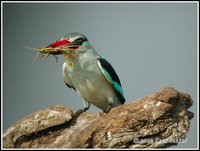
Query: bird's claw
x=80, y=111
x=107, y=110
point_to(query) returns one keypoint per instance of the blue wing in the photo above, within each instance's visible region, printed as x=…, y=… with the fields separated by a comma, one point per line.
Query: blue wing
x=112, y=77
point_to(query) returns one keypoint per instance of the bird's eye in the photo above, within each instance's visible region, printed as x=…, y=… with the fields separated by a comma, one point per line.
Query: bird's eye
x=78, y=41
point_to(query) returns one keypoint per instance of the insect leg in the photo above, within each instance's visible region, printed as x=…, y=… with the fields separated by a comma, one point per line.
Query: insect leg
x=36, y=57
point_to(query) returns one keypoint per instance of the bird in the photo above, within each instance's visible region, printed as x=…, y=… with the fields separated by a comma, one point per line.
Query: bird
x=89, y=74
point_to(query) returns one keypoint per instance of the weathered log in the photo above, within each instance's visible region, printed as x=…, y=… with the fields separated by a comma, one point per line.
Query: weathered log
x=158, y=120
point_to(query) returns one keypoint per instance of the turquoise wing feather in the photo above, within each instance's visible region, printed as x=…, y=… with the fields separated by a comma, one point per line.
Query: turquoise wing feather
x=112, y=77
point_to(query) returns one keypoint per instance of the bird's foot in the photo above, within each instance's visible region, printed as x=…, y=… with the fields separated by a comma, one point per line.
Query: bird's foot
x=78, y=112
x=109, y=107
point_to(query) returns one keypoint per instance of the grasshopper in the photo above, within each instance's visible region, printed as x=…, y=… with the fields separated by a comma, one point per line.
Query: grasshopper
x=45, y=52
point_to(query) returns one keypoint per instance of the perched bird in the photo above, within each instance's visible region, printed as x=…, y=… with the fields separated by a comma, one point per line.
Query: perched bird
x=90, y=75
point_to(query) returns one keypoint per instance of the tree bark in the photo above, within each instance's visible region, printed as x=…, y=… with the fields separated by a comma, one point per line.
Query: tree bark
x=158, y=120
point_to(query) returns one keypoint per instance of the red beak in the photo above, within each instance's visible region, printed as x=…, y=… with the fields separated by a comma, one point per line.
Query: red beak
x=59, y=43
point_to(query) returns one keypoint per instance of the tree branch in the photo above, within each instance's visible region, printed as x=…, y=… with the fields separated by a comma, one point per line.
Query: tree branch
x=158, y=120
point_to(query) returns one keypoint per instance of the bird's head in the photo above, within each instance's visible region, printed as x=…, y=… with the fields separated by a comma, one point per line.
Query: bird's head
x=69, y=45
x=71, y=42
